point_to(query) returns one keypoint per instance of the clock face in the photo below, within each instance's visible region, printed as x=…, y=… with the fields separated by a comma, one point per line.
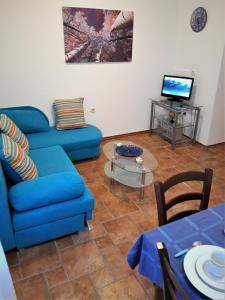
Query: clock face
x=198, y=19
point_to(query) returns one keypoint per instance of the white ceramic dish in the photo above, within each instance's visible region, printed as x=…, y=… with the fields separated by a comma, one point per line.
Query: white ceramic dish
x=214, y=282
x=190, y=260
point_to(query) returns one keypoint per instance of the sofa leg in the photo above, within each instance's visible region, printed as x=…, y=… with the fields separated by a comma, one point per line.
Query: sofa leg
x=89, y=226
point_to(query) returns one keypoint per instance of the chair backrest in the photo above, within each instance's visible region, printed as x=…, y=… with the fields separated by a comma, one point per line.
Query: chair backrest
x=170, y=283
x=203, y=196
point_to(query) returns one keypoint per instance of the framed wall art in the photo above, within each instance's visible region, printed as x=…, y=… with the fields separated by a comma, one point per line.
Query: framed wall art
x=97, y=35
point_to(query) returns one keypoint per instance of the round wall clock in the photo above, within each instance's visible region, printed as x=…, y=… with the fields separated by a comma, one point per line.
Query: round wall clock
x=198, y=19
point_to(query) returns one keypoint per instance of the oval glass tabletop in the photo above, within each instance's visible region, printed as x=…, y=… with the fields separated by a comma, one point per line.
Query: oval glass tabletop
x=149, y=161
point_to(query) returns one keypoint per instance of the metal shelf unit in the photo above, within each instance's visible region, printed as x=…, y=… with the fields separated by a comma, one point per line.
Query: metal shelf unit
x=175, y=121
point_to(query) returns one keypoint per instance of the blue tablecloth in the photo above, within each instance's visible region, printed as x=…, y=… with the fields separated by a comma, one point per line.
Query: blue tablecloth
x=206, y=226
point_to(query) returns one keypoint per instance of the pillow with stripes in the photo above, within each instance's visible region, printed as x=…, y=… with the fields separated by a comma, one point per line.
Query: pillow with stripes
x=69, y=113
x=8, y=127
x=17, y=164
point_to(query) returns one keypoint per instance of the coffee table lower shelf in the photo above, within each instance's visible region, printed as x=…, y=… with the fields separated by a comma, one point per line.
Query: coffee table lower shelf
x=129, y=174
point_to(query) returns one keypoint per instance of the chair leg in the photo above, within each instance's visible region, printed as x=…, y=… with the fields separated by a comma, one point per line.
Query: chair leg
x=158, y=293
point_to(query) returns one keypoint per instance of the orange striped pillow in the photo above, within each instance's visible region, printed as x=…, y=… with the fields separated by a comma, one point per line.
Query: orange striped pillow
x=17, y=159
x=69, y=113
x=8, y=127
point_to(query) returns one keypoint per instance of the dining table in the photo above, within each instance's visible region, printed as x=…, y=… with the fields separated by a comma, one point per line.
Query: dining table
x=207, y=226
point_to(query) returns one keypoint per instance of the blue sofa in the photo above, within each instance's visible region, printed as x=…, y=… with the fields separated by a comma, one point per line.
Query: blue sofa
x=56, y=203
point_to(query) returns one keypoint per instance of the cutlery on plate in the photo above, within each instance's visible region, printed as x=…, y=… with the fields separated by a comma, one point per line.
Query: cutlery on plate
x=184, y=251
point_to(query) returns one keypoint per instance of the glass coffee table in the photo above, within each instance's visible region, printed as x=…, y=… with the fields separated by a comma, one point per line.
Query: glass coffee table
x=130, y=171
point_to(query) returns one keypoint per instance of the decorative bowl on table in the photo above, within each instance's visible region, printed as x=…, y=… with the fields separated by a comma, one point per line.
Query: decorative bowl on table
x=129, y=150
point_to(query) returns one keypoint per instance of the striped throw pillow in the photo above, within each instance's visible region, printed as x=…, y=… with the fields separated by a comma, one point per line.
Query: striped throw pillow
x=8, y=127
x=17, y=159
x=69, y=113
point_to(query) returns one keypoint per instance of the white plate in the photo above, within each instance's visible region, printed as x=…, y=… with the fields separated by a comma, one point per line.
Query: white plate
x=189, y=268
x=214, y=282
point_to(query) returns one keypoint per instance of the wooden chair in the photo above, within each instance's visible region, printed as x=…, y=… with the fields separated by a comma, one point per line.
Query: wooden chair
x=203, y=196
x=170, y=283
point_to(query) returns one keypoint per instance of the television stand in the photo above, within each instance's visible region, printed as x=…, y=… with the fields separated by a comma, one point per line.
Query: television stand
x=175, y=104
x=174, y=100
x=175, y=121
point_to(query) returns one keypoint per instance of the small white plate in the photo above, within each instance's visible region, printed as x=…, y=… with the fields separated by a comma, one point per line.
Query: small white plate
x=190, y=260
x=201, y=268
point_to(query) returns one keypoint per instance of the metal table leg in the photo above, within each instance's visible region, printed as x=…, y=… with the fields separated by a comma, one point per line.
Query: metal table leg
x=151, y=118
x=112, y=170
x=197, y=113
x=174, y=131
x=142, y=189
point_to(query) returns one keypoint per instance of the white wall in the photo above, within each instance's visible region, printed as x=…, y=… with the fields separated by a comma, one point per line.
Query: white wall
x=34, y=72
x=217, y=128
x=203, y=52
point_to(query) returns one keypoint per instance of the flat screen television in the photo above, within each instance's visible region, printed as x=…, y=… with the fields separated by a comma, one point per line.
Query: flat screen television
x=177, y=87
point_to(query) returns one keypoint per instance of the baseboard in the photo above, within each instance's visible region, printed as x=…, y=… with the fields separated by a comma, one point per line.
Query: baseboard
x=124, y=135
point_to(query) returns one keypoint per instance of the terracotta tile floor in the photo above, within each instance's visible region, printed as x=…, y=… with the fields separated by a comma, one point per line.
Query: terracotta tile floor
x=92, y=265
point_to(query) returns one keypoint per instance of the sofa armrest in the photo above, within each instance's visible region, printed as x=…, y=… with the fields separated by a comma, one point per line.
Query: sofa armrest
x=46, y=190
x=6, y=228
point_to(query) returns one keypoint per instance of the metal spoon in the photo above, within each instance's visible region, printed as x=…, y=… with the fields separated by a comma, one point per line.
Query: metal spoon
x=184, y=251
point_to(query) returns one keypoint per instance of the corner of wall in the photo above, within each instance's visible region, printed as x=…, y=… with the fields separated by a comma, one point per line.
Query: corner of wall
x=217, y=128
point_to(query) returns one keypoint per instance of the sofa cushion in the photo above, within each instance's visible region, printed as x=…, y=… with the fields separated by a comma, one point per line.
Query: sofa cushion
x=28, y=118
x=46, y=190
x=51, y=213
x=17, y=164
x=86, y=137
x=8, y=127
x=69, y=113
x=52, y=160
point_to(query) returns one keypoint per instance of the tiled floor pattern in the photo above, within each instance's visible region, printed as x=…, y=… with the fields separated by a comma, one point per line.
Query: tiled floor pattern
x=92, y=265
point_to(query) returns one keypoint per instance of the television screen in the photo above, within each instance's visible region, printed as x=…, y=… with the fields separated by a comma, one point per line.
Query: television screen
x=177, y=87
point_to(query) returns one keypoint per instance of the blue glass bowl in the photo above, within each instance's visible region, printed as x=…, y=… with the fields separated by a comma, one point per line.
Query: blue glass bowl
x=129, y=150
